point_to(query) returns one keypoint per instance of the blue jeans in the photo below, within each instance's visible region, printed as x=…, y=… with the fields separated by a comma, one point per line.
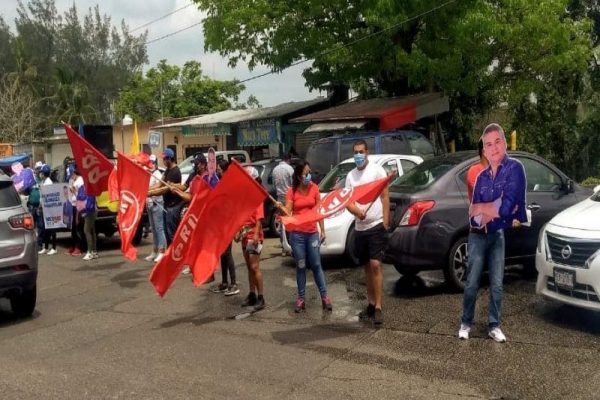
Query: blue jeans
x=306, y=250
x=172, y=218
x=484, y=249
x=157, y=224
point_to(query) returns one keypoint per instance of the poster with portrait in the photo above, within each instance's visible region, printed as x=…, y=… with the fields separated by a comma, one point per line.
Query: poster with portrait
x=57, y=209
x=212, y=163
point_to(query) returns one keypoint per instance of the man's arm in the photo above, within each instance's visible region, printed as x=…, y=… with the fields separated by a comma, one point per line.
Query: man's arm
x=513, y=192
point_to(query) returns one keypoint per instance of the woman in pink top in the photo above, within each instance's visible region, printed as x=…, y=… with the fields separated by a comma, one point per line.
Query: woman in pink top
x=306, y=239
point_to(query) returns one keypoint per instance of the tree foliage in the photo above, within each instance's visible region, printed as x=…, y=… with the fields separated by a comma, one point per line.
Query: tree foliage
x=172, y=91
x=484, y=54
x=19, y=111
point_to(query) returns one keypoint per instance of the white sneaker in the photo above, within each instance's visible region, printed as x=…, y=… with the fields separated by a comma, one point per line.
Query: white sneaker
x=88, y=256
x=42, y=251
x=463, y=332
x=186, y=271
x=94, y=254
x=151, y=257
x=159, y=257
x=51, y=252
x=497, y=335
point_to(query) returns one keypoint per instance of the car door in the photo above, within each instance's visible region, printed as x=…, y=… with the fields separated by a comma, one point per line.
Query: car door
x=546, y=197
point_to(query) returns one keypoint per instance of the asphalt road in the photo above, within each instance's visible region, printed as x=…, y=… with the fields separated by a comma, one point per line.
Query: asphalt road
x=101, y=332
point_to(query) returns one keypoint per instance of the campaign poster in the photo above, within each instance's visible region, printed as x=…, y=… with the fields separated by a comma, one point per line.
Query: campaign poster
x=57, y=209
x=212, y=162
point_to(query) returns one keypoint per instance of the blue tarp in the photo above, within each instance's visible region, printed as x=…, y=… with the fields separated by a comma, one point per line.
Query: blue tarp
x=8, y=161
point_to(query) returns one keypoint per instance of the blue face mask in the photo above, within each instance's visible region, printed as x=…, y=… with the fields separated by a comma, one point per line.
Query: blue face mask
x=307, y=179
x=359, y=159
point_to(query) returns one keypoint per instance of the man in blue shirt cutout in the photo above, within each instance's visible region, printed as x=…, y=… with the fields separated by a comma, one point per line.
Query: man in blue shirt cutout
x=498, y=200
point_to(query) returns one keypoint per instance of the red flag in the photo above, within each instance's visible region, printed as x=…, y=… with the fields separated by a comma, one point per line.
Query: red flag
x=228, y=206
x=133, y=188
x=113, y=186
x=338, y=200
x=93, y=165
x=168, y=268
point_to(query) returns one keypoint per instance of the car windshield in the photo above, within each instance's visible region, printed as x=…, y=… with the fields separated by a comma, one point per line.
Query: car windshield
x=423, y=175
x=336, y=178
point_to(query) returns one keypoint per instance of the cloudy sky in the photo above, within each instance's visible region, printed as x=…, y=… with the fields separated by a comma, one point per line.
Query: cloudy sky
x=184, y=46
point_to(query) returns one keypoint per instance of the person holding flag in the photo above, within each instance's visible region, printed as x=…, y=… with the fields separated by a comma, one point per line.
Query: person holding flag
x=252, y=242
x=371, y=225
x=154, y=205
x=305, y=239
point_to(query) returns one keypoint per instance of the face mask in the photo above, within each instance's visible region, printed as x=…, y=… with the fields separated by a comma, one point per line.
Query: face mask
x=307, y=179
x=359, y=159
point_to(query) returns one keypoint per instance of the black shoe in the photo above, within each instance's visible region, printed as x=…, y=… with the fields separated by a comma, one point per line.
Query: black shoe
x=367, y=313
x=250, y=300
x=378, y=317
x=260, y=303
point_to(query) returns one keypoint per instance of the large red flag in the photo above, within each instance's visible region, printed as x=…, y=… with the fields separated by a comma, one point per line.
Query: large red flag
x=168, y=268
x=93, y=165
x=228, y=206
x=133, y=187
x=338, y=200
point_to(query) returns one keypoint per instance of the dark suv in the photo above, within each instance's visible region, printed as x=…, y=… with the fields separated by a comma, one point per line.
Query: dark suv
x=324, y=154
x=18, y=251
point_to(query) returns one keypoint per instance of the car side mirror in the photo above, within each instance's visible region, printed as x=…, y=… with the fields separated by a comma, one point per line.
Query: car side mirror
x=569, y=186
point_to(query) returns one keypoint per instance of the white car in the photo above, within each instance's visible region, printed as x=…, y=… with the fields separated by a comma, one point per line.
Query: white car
x=568, y=255
x=339, y=230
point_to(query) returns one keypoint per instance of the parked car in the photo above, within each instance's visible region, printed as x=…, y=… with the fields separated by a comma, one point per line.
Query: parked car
x=187, y=166
x=568, y=255
x=430, y=214
x=339, y=229
x=324, y=154
x=18, y=251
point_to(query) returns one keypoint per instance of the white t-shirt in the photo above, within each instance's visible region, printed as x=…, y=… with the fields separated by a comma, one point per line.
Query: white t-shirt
x=75, y=183
x=47, y=181
x=357, y=177
x=155, y=179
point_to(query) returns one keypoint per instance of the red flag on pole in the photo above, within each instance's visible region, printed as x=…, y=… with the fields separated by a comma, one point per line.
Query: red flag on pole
x=168, y=268
x=93, y=165
x=200, y=245
x=133, y=188
x=337, y=200
x=228, y=206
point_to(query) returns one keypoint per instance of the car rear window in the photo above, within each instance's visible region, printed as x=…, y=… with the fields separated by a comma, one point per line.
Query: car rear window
x=394, y=144
x=422, y=176
x=419, y=144
x=322, y=156
x=8, y=195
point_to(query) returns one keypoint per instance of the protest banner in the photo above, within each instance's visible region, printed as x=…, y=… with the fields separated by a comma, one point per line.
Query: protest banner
x=58, y=212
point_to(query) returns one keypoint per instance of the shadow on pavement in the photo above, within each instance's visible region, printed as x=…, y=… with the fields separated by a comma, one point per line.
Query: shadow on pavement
x=571, y=318
x=415, y=286
x=131, y=278
x=7, y=318
x=315, y=333
x=95, y=266
x=196, y=320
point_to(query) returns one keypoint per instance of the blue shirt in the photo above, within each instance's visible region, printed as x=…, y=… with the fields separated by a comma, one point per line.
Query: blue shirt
x=509, y=184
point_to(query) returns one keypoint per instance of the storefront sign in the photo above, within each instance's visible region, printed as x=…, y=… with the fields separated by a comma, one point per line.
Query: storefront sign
x=257, y=133
x=154, y=138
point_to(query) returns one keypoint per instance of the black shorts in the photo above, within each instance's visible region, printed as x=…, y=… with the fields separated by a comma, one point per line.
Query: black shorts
x=370, y=244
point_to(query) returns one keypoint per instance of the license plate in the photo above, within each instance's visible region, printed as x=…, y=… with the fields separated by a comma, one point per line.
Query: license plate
x=564, y=279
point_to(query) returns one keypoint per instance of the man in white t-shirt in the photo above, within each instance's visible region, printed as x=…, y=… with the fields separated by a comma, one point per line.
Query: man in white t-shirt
x=371, y=227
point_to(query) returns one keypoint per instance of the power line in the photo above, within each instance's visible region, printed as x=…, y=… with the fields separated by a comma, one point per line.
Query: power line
x=342, y=46
x=173, y=33
x=161, y=18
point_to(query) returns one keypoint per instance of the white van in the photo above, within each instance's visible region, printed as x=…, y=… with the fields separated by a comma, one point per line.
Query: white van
x=187, y=166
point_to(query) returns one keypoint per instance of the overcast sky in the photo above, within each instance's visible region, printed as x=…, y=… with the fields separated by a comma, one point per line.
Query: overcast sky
x=184, y=46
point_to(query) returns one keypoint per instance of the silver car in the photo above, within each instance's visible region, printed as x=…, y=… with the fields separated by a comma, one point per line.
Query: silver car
x=18, y=251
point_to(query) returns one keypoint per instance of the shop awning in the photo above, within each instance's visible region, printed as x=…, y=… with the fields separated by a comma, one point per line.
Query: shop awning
x=390, y=113
x=8, y=161
x=335, y=126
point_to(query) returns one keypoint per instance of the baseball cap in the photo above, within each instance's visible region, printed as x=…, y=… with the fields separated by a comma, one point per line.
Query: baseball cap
x=153, y=158
x=199, y=159
x=38, y=164
x=168, y=153
x=252, y=171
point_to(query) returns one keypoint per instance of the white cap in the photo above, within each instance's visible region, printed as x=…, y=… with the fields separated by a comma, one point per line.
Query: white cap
x=38, y=164
x=153, y=158
x=252, y=171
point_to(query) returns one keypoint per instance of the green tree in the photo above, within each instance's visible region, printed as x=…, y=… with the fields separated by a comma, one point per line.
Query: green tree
x=172, y=91
x=483, y=54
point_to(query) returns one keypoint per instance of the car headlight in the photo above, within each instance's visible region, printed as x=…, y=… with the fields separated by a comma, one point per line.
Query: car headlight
x=540, y=241
x=543, y=245
x=591, y=259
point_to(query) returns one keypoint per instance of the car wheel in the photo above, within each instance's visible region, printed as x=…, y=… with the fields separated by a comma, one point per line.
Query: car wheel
x=23, y=304
x=137, y=239
x=456, y=267
x=349, y=252
x=274, y=224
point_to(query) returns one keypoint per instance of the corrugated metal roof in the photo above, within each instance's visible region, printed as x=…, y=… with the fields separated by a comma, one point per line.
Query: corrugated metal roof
x=376, y=108
x=235, y=116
